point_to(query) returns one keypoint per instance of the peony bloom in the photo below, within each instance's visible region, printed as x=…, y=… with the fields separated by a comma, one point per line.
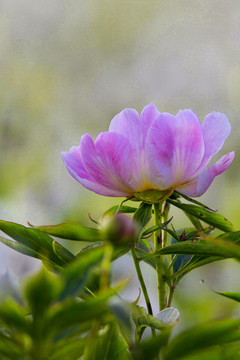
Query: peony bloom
x=153, y=150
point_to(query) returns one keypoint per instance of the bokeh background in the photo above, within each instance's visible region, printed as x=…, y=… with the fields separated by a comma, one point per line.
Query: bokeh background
x=68, y=66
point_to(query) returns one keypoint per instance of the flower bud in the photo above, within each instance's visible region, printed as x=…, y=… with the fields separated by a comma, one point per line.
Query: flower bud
x=119, y=230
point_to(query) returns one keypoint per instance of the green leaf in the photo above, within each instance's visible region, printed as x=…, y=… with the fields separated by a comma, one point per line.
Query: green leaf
x=77, y=274
x=121, y=311
x=213, y=219
x=149, y=349
x=203, y=336
x=224, y=249
x=143, y=215
x=38, y=242
x=195, y=262
x=41, y=291
x=67, y=349
x=13, y=316
x=122, y=209
x=231, y=295
x=71, y=231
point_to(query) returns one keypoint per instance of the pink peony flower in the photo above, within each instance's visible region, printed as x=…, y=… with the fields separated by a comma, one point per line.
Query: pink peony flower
x=153, y=150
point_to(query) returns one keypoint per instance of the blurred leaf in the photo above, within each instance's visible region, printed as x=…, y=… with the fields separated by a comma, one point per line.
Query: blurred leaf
x=71, y=313
x=213, y=219
x=71, y=231
x=121, y=311
x=109, y=345
x=122, y=209
x=149, y=349
x=67, y=349
x=38, y=242
x=41, y=291
x=12, y=315
x=76, y=275
x=203, y=336
x=230, y=295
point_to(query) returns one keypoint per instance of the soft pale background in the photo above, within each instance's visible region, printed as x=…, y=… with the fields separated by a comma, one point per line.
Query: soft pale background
x=67, y=67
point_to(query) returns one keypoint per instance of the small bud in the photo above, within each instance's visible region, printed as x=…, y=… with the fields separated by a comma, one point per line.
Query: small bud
x=119, y=230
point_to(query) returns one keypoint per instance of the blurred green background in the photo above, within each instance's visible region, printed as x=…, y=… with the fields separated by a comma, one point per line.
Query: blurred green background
x=67, y=67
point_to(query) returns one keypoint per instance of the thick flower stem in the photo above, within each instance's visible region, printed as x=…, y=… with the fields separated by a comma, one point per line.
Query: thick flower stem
x=159, y=244
x=142, y=283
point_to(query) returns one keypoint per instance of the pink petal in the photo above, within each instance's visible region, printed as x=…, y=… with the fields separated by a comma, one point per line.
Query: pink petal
x=127, y=123
x=76, y=169
x=109, y=161
x=216, y=129
x=199, y=186
x=174, y=148
x=148, y=115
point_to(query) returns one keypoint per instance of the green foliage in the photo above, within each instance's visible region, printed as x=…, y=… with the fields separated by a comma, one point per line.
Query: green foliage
x=71, y=310
x=71, y=231
x=214, y=219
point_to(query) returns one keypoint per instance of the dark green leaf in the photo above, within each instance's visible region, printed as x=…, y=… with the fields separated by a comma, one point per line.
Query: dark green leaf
x=213, y=219
x=37, y=241
x=71, y=231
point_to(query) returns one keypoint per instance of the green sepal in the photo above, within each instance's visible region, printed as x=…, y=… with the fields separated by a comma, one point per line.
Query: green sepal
x=153, y=196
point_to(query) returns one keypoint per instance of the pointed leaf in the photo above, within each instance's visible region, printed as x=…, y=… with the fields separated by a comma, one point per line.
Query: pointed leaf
x=37, y=241
x=213, y=219
x=71, y=231
x=231, y=295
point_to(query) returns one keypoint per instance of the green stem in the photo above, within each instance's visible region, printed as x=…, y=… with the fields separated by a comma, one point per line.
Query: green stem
x=142, y=283
x=159, y=244
x=141, y=280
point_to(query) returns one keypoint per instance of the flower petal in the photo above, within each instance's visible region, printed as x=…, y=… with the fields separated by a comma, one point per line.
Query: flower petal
x=127, y=123
x=174, y=148
x=76, y=169
x=199, y=185
x=216, y=129
x=108, y=161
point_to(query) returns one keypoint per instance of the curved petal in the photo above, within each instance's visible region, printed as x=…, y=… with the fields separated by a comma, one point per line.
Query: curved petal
x=148, y=115
x=127, y=123
x=199, y=186
x=108, y=161
x=216, y=129
x=76, y=169
x=174, y=147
